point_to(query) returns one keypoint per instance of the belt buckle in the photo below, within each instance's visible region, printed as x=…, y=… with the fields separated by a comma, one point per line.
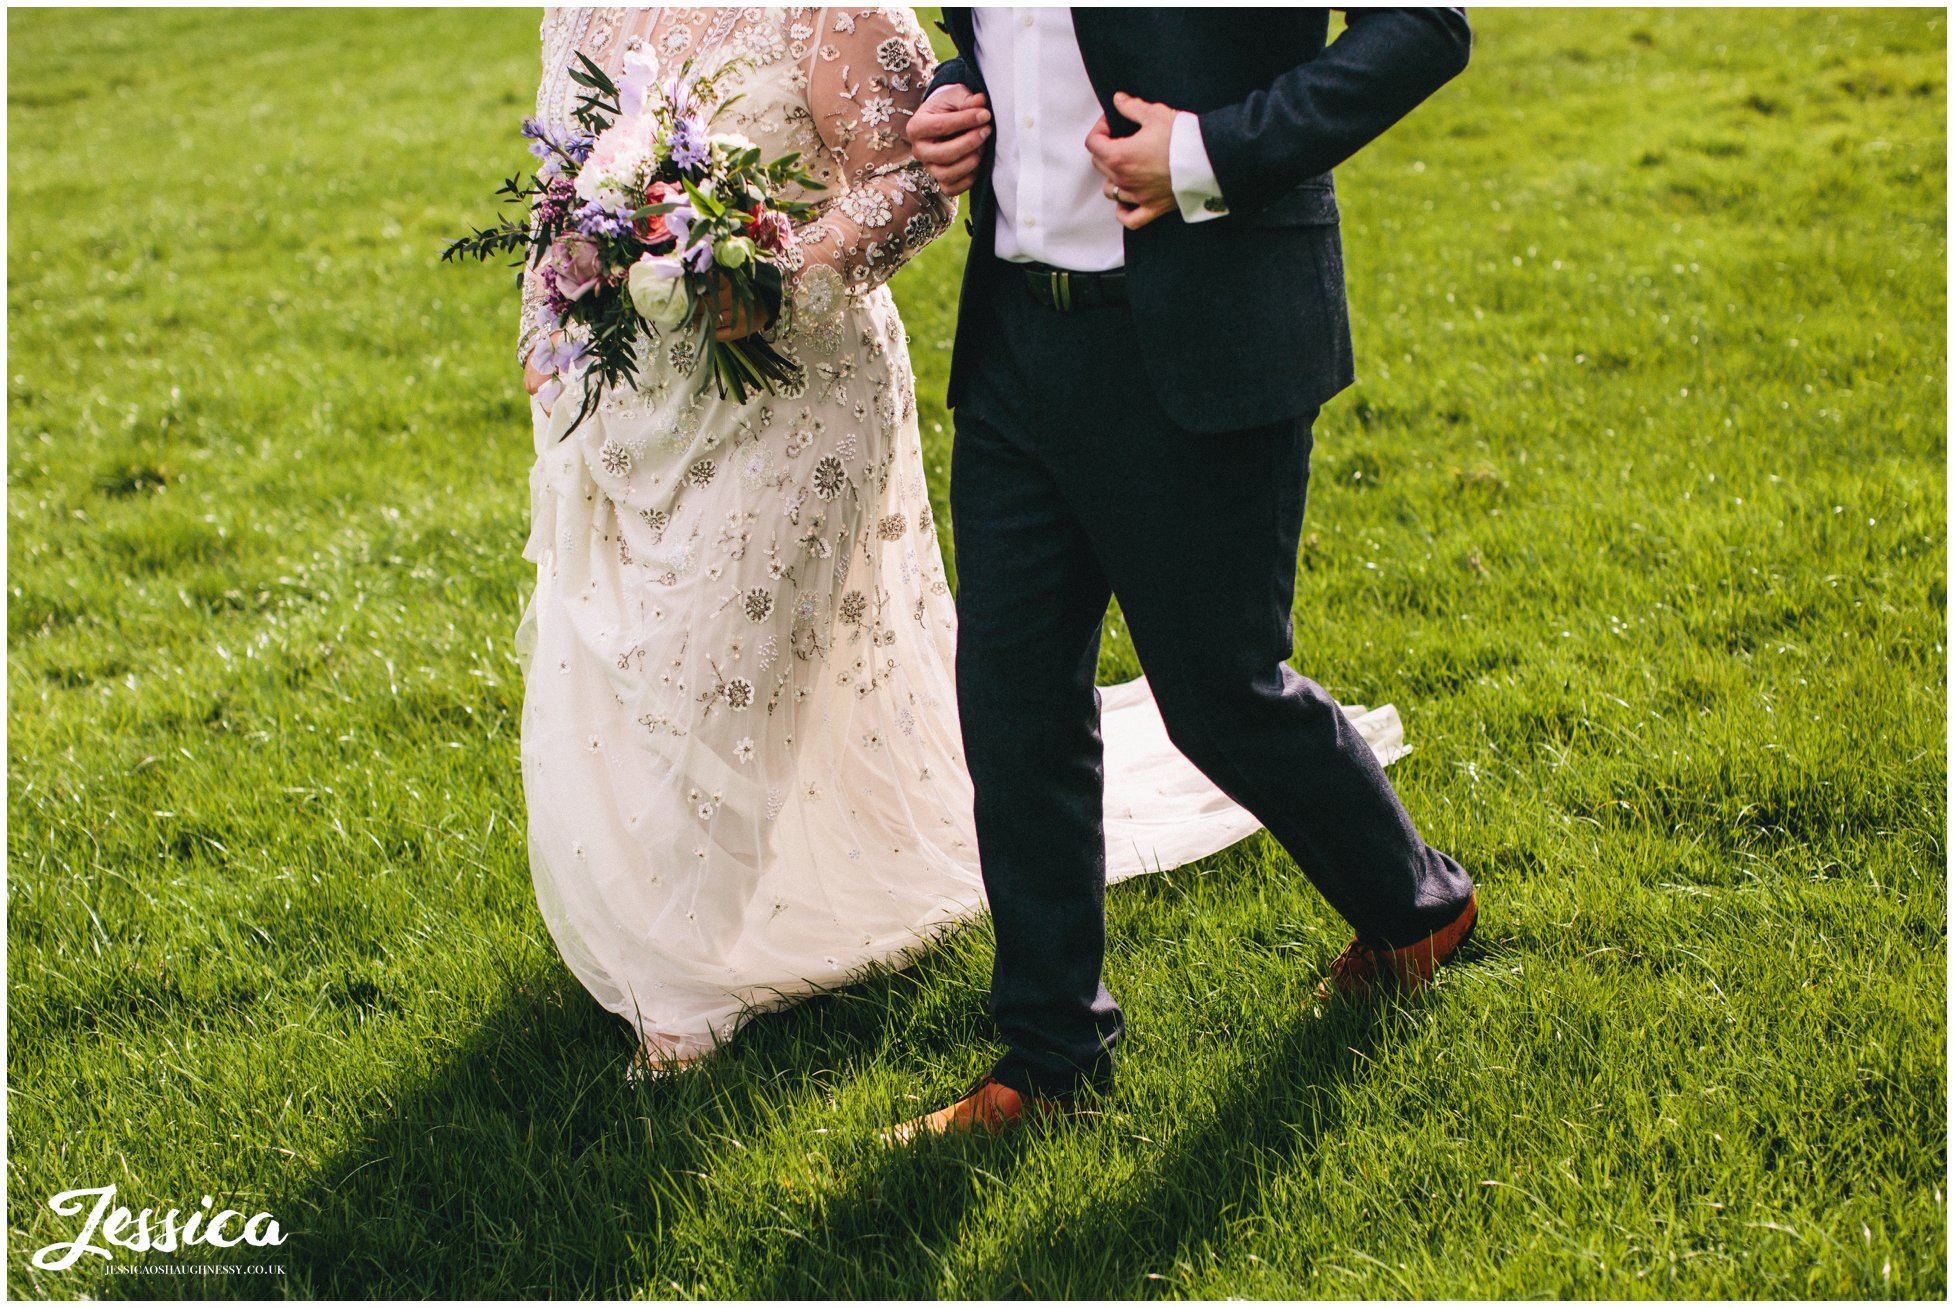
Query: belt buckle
x=1061, y=290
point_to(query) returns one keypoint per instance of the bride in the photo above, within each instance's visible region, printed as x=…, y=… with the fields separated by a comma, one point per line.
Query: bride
x=740, y=748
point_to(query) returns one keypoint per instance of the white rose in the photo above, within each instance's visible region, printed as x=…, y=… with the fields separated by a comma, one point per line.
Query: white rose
x=657, y=287
x=604, y=188
x=730, y=142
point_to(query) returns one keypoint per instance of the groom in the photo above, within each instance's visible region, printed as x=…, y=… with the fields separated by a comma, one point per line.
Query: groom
x=1152, y=313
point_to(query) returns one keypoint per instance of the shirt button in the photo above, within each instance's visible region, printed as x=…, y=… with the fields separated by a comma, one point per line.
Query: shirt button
x=1030, y=222
x=1029, y=122
x=1025, y=21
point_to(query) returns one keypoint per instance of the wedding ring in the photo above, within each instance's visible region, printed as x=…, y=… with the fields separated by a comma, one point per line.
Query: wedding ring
x=1117, y=197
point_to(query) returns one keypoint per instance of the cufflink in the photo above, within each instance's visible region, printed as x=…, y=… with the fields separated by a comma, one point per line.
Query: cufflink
x=1215, y=204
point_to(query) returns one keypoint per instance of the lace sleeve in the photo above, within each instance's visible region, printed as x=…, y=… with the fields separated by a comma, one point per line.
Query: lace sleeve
x=867, y=74
x=530, y=325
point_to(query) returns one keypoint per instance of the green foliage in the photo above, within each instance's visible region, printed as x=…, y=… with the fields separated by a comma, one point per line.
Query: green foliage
x=1637, y=513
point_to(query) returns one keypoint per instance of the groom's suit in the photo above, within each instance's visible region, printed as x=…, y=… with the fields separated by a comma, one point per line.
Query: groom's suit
x=1157, y=450
x=1242, y=321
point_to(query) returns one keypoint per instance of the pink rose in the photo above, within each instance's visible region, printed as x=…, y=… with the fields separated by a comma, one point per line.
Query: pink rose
x=771, y=231
x=652, y=229
x=574, y=259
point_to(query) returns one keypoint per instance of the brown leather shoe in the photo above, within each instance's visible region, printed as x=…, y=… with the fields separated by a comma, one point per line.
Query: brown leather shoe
x=1363, y=970
x=989, y=1108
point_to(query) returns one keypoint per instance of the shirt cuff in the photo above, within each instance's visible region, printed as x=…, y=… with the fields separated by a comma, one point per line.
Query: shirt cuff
x=1195, y=189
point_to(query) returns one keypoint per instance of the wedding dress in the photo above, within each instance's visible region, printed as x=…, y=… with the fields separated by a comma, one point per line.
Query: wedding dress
x=740, y=750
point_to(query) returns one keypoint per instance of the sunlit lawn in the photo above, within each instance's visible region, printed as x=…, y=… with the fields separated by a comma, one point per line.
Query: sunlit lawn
x=1636, y=514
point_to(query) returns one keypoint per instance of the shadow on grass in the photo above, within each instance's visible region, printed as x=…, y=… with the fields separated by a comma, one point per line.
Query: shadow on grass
x=525, y=1166
x=1210, y=1171
x=1273, y=1114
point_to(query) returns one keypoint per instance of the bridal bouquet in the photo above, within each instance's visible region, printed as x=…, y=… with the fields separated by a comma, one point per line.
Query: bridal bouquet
x=642, y=220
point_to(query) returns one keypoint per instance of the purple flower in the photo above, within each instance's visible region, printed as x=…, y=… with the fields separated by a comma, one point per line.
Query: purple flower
x=555, y=356
x=679, y=222
x=634, y=83
x=689, y=148
x=557, y=303
x=699, y=257
x=552, y=145
x=553, y=205
x=594, y=220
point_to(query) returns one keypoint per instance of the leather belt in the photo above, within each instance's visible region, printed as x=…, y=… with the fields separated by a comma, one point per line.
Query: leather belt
x=1067, y=291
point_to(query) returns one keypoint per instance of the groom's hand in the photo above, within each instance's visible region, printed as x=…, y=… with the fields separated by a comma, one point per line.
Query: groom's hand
x=947, y=134
x=1139, y=176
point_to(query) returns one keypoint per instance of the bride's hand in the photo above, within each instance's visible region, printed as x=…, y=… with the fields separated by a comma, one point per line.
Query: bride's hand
x=731, y=321
x=534, y=380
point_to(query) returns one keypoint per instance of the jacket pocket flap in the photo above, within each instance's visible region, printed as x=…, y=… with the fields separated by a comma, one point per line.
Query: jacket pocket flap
x=1312, y=203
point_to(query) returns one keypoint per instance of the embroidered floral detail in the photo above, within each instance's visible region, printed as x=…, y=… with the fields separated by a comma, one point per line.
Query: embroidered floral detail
x=892, y=527
x=743, y=749
x=759, y=604
x=614, y=459
x=762, y=43
x=854, y=607
x=754, y=466
x=893, y=54
x=829, y=477
x=819, y=289
x=739, y=694
x=866, y=206
x=700, y=474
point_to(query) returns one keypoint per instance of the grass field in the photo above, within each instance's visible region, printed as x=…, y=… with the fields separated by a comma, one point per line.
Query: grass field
x=1637, y=513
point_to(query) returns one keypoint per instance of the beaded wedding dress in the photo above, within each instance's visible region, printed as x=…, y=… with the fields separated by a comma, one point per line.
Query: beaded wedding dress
x=740, y=750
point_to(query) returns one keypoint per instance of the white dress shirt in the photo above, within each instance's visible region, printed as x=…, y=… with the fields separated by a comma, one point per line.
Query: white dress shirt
x=1051, y=202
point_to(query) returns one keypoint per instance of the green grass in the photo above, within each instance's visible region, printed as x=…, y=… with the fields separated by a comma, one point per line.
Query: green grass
x=1637, y=514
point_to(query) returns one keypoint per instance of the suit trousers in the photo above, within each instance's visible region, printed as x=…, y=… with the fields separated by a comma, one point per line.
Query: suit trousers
x=1069, y=486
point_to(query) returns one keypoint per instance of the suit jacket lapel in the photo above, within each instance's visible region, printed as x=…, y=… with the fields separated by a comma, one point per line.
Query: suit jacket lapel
x=963, y=32
x=1100, y=32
